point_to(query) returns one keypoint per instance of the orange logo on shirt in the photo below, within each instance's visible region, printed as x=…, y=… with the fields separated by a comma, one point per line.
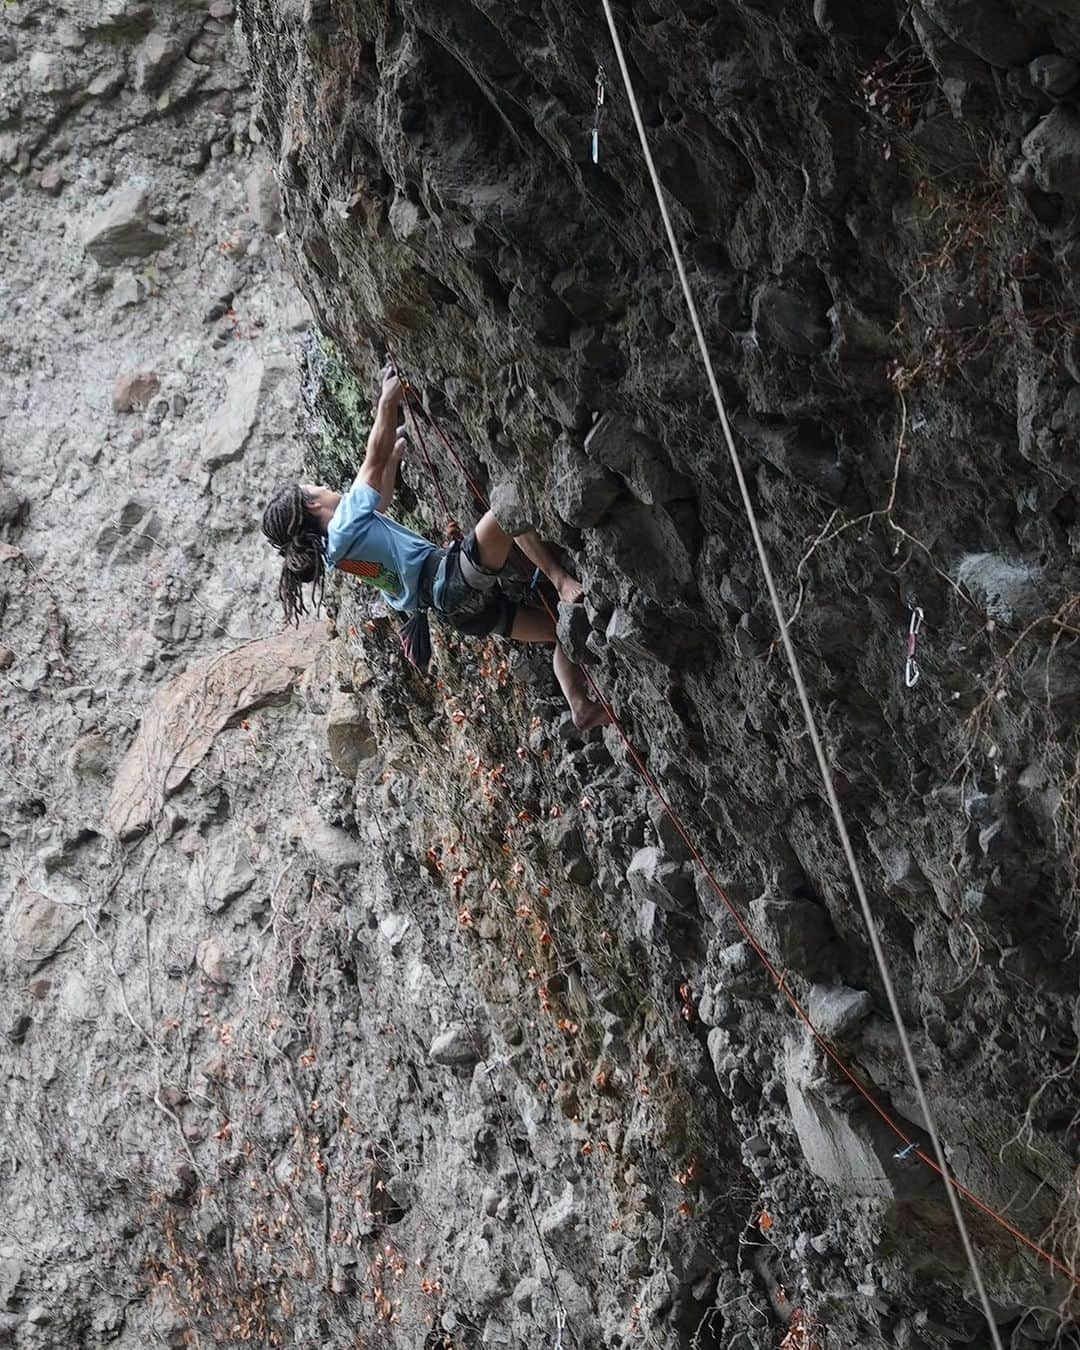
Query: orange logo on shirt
x=374, y=574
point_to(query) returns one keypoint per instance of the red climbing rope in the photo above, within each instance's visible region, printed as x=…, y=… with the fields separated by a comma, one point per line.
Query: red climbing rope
x=777, y=976
x=436, y=427
x=452, y=527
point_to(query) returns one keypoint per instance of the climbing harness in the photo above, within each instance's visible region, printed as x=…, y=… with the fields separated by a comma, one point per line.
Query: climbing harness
x=911, y=666
x=601, y=90
x=903, y=1154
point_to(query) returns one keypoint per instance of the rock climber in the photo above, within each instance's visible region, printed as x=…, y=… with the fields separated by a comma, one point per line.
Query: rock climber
x=314, y=528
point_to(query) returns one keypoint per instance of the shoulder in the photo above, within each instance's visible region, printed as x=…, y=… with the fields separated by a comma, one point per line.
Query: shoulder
x=360, y=500
x=354, y=513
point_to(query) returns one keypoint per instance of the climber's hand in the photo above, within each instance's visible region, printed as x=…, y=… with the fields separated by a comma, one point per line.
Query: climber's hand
x=390, y=394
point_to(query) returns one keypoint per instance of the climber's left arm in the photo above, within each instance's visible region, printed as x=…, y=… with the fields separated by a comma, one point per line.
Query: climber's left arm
x=390, y=473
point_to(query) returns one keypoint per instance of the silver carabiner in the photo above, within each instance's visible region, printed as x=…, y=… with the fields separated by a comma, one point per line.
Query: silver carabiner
x=911, y=666
x=601, y=84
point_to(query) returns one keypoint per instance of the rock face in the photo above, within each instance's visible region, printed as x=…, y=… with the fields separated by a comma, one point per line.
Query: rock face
x=125, y=140
x=888, y=313
x=400, y=1013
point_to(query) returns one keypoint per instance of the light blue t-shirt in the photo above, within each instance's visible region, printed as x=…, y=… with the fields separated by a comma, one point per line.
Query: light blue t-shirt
x=371, y=546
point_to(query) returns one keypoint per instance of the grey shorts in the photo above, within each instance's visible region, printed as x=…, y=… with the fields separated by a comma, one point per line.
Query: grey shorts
x=466, y=594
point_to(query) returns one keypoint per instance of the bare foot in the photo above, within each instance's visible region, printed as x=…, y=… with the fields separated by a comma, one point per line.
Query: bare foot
x=570, y=589
x=589, y=714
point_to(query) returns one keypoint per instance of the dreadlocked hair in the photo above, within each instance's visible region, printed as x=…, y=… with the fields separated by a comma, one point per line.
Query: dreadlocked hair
x=296, y=535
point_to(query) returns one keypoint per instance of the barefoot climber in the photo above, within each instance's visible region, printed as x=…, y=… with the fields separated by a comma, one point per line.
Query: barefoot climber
x=313, y=527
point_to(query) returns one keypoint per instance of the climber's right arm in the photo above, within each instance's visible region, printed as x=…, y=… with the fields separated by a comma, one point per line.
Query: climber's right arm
x=380, y=445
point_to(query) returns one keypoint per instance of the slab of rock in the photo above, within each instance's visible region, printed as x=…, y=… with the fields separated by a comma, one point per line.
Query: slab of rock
x=220, y=873
x=1055, y=75
x=228, y=431
x=37, y=928
x=10, y=148
x=189, y=712
x=639, y=459
x=584, y=490
x=991, y=29
x=123, y=229
x=1008, y=590
x=47, y=73
x=626, y=635
x=564, y=838
x=671, y=841
x=837, y=1148
x=51, y=181
x=665, y=884
x=791, y=322
x=647, y=546
x=455, y=1047
x=394, y=927
x=573, y=631
x=511, y=508
x=562, y=1220
x=837, y=1011
x=1052, y=151
x=211, y=960
x=797, y=933
x=89, y=756
x=348, y=735
x=154, y=59
x=132, y=533
x=134, y=389
x=333, y=849
x=264, y=199
x=741, y=974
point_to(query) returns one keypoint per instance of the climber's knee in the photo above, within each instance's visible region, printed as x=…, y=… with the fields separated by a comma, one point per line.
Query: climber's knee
x=491, y=544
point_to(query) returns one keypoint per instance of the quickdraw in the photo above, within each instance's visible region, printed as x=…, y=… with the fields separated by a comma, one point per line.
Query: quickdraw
x=601, y=88
x=911, y=666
